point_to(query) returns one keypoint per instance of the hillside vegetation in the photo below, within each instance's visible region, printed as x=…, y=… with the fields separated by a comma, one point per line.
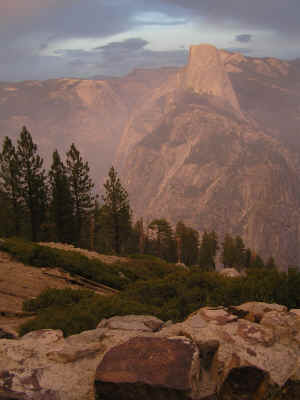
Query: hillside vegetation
x=147, y=285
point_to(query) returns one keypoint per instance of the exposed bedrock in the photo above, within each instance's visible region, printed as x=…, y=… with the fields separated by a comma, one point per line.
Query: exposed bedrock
x=216, y=353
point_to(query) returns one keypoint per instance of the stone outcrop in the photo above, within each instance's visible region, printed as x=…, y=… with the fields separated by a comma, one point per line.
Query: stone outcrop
x=230, y=273
x=149, y=368
x=216, y=353
x=206, y=74
x=215, y=162
x=214, y=144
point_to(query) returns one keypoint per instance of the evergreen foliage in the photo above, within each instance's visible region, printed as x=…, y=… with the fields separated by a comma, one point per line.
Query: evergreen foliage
x=116, y=212
x=10, y=183
x=81, y=187
x=32, y=181
x=187, y=240
x=75, y=216
x=61, y=203
x=171, y=297
x=161, y=241
x=208, y=250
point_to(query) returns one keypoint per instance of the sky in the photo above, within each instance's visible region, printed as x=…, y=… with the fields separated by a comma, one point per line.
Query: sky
x=46, y=39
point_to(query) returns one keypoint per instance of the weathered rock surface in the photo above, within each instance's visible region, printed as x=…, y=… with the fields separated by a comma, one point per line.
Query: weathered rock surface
x=132, y=323
x=230, y=273
x=215, y=144
x=205, y=73
x=213, y=354
x=149, y=367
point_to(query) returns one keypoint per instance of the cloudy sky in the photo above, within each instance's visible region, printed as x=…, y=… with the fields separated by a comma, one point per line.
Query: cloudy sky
x=42, y=39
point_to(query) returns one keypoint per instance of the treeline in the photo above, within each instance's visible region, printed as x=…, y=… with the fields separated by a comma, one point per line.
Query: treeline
x=59, y=204
x=62, y=205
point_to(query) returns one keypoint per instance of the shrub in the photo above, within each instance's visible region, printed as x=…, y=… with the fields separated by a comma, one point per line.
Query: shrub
x=57, y=298
x=78, y=311
x=72, y=262
x=93, y=269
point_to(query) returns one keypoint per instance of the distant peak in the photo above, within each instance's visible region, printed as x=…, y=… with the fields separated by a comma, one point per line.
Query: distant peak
x=205, y=73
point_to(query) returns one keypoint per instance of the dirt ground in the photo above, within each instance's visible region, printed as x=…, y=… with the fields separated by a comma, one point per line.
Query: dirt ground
x=19, y=282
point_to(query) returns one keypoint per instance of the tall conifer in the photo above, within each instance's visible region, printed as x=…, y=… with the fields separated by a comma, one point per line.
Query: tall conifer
x=61, y=200
x=32, y=181
x=10, y=182
x=81, y=187
x=116, y=210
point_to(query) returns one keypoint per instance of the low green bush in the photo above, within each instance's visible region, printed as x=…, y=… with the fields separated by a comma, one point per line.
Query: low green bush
x=117, y=275
x=173, y=297
x=149, y=286
x=72, y=262
x=78, y=311
x=57, y=298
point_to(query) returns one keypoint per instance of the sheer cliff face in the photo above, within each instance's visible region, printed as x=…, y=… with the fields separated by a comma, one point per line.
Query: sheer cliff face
x=205, y=74
x=209, y=158
x=215, y=144
x=90, y=113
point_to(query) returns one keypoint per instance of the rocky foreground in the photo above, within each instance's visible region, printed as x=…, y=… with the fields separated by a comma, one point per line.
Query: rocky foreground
x=243, y=353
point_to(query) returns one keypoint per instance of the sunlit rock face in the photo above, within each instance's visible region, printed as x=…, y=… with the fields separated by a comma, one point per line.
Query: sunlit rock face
x=205, y=74
x=215, y=144
x=214, y=164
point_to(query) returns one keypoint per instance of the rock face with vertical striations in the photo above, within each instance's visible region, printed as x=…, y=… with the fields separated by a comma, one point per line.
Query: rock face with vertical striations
x=215, y=144
x=213, y=164
x=205, y=74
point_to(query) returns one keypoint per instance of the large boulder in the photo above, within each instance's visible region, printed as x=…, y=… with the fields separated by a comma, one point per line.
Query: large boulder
x=258, y=309
x=230, y=273
x=45, y=365
x=143, y=323
x=214, y=353
x=150, y=368
x=242, y=344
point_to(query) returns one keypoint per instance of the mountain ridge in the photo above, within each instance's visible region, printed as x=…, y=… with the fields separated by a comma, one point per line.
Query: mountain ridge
x=215, y=143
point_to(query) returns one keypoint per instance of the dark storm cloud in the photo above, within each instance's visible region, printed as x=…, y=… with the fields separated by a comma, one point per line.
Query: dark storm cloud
x=132, y=44
x=117, y=64
x=119, y=58
x=77, y=18
x=29, y=28
x=278, y=15
x=244, y=38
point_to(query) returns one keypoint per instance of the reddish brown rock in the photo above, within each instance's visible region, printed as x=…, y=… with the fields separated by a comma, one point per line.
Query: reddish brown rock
x=148, y=366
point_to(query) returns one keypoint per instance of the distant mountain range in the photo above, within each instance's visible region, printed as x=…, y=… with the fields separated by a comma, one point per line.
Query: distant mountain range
x=215, y=144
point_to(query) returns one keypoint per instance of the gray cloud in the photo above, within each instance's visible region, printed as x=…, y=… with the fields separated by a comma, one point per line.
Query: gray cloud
x=28, y=29
x=128, y=45
x=119, y=58
x=278, y=15
x=244, y=38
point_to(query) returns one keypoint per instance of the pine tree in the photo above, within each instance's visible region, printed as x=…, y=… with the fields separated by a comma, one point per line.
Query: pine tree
x=228, y=252
x=187, y=240
x=81, y=187
x=208, y=250
x=61, y=203
x=32, y=181
x=10, y=182
x=163, y=241
x=240, y=253
x=116, y=211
